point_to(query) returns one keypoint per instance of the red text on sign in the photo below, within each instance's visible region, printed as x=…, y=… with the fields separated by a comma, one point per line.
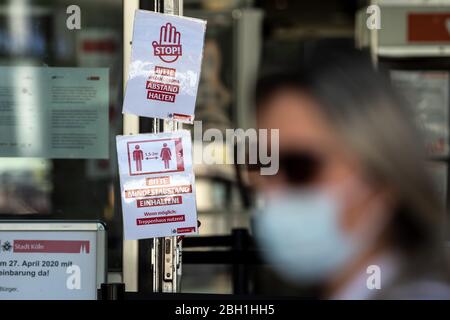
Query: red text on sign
x=156, y=220
x=160, y=201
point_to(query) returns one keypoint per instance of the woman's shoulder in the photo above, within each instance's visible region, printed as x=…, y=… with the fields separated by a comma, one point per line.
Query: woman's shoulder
x=421, y=289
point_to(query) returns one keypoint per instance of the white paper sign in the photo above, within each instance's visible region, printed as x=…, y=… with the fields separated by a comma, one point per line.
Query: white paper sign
x=157, y=185
x=427, y=92
x=59, y=113
x=48, y=265
x=165, y=66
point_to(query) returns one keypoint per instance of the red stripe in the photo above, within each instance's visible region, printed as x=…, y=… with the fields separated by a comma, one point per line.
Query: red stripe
x=99, y=46
x=158, y=220
x=428, y=27
x=52, y=246
x=186, y=230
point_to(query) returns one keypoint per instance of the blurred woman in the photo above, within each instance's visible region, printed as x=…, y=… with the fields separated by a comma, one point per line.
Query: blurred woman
x=352, y=208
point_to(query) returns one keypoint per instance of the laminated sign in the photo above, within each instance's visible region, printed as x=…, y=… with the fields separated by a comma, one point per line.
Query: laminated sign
x=157, y=185
x=165, y=66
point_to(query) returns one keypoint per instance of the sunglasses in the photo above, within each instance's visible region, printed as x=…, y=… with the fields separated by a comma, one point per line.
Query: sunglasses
x=299, y=167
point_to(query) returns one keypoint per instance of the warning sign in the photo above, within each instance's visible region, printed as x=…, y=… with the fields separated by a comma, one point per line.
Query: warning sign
x=165, y=66
x=157, y=184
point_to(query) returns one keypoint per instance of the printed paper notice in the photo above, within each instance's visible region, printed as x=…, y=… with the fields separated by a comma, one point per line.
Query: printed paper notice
x=54, y=112
x=427, y=93
x=48, y=266
x=165, y=66
x=157, y=185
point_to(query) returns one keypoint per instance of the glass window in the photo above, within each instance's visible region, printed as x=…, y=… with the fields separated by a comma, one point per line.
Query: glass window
x=60, y=109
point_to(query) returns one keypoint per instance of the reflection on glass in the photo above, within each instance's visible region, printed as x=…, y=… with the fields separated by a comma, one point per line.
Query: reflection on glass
x=34, y=40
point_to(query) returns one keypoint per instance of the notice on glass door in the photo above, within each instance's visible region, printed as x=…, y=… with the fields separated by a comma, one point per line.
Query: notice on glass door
x=165, y=66
x=157, y=185
x=54, y=112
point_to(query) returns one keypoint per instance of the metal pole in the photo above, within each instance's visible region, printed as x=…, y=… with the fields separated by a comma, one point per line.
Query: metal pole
x=374, y=43
x=240, y=240
x=130, y=249
x=166, y=251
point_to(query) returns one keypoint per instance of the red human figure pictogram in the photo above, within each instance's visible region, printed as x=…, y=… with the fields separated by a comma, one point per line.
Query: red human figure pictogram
x=166, y=155
x=138, y=156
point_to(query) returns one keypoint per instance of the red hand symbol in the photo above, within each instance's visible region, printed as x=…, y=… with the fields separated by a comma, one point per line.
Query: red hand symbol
x=169, y=47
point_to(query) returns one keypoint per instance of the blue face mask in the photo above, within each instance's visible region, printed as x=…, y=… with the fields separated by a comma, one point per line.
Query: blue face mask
x=300, y=236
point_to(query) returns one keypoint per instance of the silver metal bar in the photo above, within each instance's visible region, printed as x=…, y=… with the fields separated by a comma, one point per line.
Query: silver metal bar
x=130, y=249
x=166, y=252
x=248, y=42
x=173, y=7
x=374, y=43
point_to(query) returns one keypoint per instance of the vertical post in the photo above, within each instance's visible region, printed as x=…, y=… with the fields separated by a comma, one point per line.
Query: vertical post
x=374, y=43
x=248, y=42
x=166, y=251
x=240, y=271
x=130, y=249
